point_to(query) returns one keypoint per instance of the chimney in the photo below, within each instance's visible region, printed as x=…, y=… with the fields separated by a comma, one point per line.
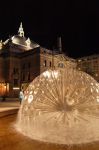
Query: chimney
x=59, y=44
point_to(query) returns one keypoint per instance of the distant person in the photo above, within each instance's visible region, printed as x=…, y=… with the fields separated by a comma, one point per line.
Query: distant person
x=21, y=96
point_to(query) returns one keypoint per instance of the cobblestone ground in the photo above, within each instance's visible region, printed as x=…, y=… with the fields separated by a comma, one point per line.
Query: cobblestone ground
x=10, y=139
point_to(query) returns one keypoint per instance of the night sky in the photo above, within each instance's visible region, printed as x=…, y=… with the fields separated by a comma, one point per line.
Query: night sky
x=76, y=21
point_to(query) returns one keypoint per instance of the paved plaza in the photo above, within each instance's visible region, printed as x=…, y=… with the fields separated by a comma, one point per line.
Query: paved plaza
x=9, y=107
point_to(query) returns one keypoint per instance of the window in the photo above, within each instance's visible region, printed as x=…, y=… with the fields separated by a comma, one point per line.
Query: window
x=45, y=63
x=61, y=65
x=79, y=60
x=15, y=70
x=23, y=77
x=95, y=62
x=50, y=64
x=29, y=65
x=15, y=82
x=28, y=76
x=23, y=67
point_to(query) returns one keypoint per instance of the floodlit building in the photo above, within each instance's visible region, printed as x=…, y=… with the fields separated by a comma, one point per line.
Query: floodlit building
x=21, y=60
x=89, y=64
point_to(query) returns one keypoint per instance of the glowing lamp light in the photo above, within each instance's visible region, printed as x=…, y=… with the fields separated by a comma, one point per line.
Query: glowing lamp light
x=16, y=88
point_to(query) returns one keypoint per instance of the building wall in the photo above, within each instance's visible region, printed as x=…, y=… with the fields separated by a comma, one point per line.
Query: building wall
x=45, y=62
x=3, y=89
x=89, y=64
x=30, y=67
x=49, y=60
x=2, y=79
x=20, y=68
x=11, y=73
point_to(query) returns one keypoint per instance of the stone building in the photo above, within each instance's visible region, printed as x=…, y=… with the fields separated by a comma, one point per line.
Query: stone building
x=89, y=64
x=21, y=60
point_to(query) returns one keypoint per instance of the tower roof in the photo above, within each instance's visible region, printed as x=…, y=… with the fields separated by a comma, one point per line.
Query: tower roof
x=21, y=41
x=21, y=31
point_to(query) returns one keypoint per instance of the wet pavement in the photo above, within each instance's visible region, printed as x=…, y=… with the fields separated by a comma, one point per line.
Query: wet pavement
x=10, y=139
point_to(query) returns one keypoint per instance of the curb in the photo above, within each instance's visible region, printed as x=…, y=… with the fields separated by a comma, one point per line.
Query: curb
x=8, y=112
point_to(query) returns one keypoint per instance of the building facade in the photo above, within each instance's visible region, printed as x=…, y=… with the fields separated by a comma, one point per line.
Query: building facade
x=89, y=64
x=21, y=60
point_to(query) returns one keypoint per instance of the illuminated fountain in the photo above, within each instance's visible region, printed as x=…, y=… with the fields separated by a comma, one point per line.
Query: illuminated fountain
x=61, y=106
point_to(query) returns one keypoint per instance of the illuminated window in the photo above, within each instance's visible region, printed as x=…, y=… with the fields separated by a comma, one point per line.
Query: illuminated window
x=96, y=74
x=79, y=60
x=79, y=68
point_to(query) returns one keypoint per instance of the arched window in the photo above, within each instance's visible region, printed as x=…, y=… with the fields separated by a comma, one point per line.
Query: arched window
x=61, y=65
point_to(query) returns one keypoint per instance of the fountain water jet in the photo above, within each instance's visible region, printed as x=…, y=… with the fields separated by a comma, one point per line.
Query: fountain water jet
x=61, y=106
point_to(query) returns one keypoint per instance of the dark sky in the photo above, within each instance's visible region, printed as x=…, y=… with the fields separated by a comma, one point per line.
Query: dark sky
x=76, y=21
